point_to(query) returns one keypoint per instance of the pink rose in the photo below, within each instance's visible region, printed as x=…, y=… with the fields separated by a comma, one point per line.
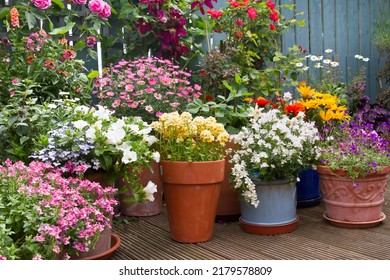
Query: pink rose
x=96, y=6
x=41, y=4
x=80, y=2
x=106, y=12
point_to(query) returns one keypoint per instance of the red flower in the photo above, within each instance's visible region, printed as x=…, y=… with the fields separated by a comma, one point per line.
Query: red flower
x=238, y=34
x=294, y=108
x=203, y=73
x=49, y=64
x=272, y=26
x=209, y=98
x=274, y=16
x=239, y=22
x=200, y=3
x=252, y=13
x=270, y=4
x=262, y=102
x=215, y=13
x=143, y=27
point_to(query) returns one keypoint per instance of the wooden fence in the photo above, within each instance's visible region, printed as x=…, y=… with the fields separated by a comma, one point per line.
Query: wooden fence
x=348, y=27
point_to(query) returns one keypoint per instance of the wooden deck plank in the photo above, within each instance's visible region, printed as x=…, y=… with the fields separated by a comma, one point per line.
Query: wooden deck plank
x=148, y=238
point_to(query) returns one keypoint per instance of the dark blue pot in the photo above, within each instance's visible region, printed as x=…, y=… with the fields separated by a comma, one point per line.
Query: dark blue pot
x=308, y=188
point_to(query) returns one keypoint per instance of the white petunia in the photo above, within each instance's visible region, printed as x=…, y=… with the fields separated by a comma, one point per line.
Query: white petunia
x=102, y=113
x=82, y=108
x=156, y=156
x=115, y=137
x=149, y=190
x=90, y=133
x=80, y=124
x=129, y=156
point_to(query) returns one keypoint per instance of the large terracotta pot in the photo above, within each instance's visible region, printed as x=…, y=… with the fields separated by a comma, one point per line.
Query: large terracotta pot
x=146, y=208
x=191, y=191
x=276, y=212
x=353, y=203
x=228, y=209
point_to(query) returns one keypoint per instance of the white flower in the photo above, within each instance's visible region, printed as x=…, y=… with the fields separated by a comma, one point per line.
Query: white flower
x=328, y=50
x=366, y=59
x=327, y=61
x=80, y=124
x=149, y=190
x=156, y=156
x=63, y=93
x=90, y=133
x=52, y=106
x=102, y=113
x=129, y=156
x=305, y=68
x=318, y=65
x=115, y=137
x=299, y=64
x=151, y=140
x=287, y=96
x=334, y=64
x=82, y=108
x=358, y=56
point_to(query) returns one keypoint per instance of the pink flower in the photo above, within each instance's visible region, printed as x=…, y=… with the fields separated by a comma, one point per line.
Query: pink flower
x=41, y=4
x=37, y=257
x=270, y=4
x=91, y=41
x=252, y=13
x=96, y=6
x=239, y=22
x=106, y=12
x=80, y=2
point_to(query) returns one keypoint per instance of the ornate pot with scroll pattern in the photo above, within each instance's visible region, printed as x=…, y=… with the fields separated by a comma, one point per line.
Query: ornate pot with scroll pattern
x=353, y=203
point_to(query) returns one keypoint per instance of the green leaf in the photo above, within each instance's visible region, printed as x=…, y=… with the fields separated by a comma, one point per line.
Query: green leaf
x=62, y=30
x=79, y=45
x=30, y=20
x=238, y=79
x=58, y=3
x=93, y=74
x=4, y=11
x=92, y=54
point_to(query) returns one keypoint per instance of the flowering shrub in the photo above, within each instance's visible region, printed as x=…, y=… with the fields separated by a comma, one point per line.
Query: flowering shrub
x=44, y=214
x=184, y=138
x=253, y=30
x=356, y=149
x=272, y=146
x=145, y=87
x=93, y=139
x=166, y=28
x=42, y=65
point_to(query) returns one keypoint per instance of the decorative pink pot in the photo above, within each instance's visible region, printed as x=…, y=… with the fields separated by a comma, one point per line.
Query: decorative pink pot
x=353, y=203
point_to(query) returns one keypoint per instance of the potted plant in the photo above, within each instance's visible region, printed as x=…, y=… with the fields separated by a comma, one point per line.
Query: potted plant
x=45, y=215
x=145, y=87
x=273, y=149
x=192, y=169
x=353, y=169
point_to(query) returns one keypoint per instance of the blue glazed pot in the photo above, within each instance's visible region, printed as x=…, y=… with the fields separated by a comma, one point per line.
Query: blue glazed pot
x=277, y=205
x=308, y=188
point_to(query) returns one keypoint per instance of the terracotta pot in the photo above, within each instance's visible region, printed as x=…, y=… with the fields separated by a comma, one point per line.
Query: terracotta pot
x=228, y=209
x=353, y=203
x=101, y=178
x=103, y=244
x=146, y=208
x=276, y=212
x=191, y=191
x=104, y=255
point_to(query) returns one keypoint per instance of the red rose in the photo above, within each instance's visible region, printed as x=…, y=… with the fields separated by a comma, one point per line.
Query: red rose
x=238, y=34
x=272, y=26
x=239, y=22
x=270, y=4
x=274, y=16
x=252, y=13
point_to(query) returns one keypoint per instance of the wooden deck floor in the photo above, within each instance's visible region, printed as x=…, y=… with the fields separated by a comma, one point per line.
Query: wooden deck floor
x=148, y=238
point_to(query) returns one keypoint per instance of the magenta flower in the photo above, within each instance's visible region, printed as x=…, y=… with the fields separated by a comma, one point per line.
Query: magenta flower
x=41, y=4
x=91, y=41
x=96, y=6
x=106, y=11
x=80, y=2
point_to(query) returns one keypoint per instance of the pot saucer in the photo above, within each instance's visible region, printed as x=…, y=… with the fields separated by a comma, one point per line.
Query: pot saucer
x=347, y=224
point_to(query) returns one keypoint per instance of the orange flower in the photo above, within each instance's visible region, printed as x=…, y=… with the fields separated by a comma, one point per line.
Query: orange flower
x=294, y=108
x=63, y=73
x=30, y=58
x=14, y=15
x=262, y=102
x=42, y=33
x=63, y=41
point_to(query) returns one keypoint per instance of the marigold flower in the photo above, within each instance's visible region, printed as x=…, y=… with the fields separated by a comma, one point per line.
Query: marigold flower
x=14, y=14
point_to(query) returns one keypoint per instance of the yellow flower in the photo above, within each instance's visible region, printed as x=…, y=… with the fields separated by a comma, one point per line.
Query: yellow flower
x=207, y=136
x=305, y=91
x=326, y=116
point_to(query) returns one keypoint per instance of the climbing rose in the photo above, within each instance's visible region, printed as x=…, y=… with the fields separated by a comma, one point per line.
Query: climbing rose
x=96, y=6
x=272, y=26
x=274, y=16
x=106, y=11
x=41, y=4
x=252, y=13
x=270, y=4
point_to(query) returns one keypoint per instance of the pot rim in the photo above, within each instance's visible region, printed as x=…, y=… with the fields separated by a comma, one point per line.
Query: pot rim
x=324, y=169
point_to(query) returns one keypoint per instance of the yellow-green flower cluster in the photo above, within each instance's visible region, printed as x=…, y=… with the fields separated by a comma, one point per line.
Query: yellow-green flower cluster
x=187, y=138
